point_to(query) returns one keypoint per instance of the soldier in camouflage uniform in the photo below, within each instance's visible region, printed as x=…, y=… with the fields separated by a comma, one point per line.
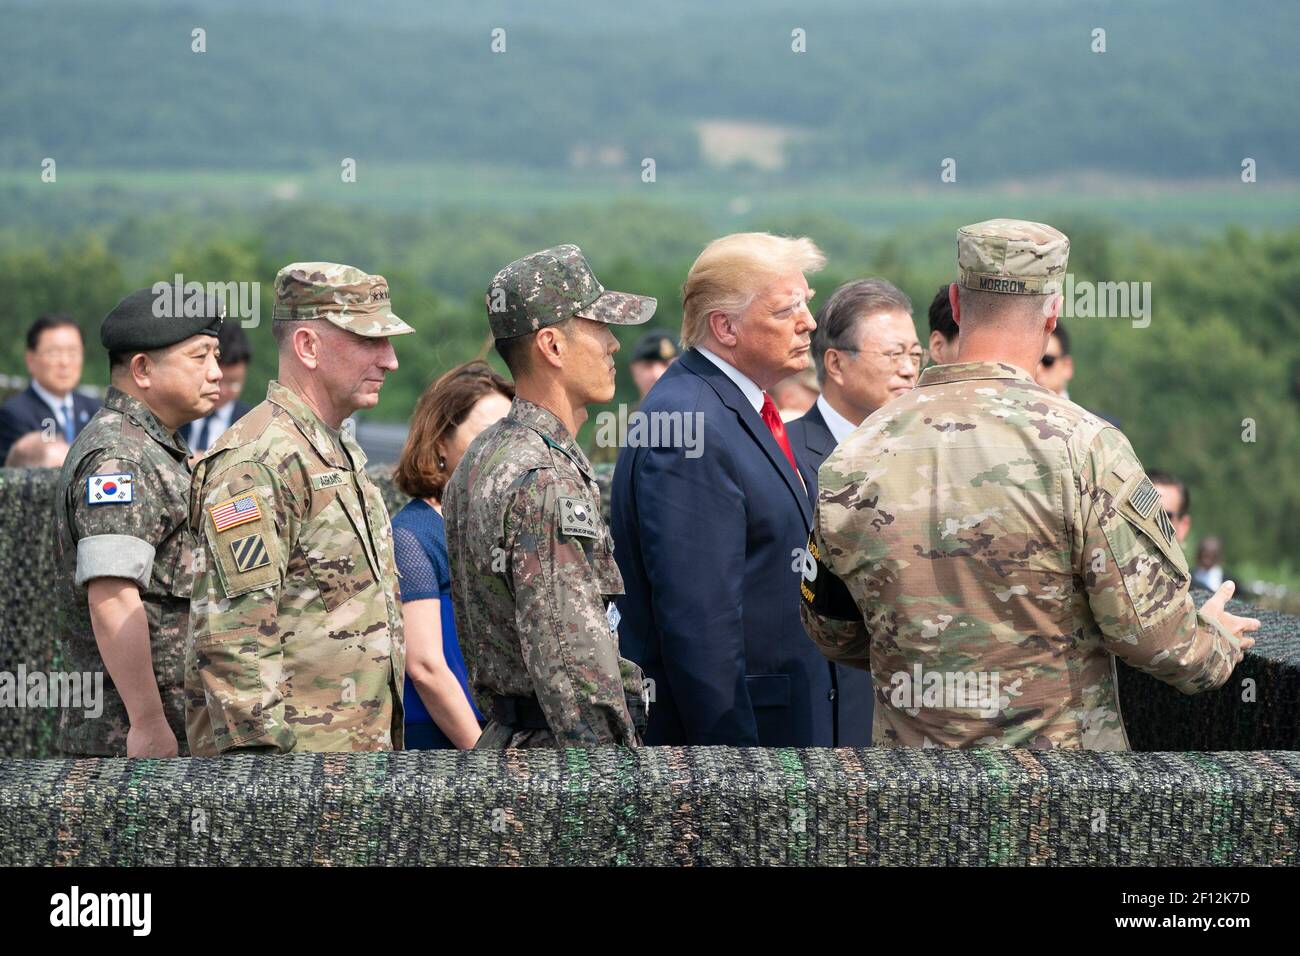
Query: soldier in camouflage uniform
x=124, y=543
x=986, y=548
x=297, y=630
x=532, y=562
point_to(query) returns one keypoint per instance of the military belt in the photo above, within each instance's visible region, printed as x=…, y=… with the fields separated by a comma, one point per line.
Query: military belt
x=521, y=713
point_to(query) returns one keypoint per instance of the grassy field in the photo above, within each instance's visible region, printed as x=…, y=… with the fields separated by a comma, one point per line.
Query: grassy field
x=723, y=198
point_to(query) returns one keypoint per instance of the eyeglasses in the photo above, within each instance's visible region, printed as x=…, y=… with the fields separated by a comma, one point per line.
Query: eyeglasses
x=896, y=357
x=1049, y=360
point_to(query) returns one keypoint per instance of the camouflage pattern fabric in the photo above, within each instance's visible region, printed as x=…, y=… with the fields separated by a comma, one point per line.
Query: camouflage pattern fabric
x=122, y=510
x=999, y=544
x=533, y=577
x=297, y=630
x=1157, y=717
x=657, y=806
x=1012, y=256
x=344, y=295
x=547, y=287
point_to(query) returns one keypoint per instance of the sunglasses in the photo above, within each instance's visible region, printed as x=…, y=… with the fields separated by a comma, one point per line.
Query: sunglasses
x=1049, y=360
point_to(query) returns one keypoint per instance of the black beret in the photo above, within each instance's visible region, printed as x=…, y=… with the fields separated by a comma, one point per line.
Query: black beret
x=654, y=347
x=159, y=316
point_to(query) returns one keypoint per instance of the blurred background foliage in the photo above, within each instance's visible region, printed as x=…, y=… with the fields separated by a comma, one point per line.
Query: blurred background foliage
x=225, y=165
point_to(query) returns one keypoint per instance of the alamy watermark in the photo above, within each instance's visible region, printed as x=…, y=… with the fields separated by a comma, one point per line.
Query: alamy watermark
x=236, y=300
x=948, y=690
x=1106, y=300
x=638, y=429
x=69, y=689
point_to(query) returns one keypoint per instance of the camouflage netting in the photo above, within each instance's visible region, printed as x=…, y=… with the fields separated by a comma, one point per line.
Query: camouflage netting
x=658, y=805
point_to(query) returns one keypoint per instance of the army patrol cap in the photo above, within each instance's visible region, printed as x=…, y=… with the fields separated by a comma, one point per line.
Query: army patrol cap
x=654, y=347
x=547, y=287
x=346, y=296
x=159, y=316
x=1012, y=255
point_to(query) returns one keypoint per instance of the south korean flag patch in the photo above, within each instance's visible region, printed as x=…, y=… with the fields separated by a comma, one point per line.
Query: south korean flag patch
x=110, y=489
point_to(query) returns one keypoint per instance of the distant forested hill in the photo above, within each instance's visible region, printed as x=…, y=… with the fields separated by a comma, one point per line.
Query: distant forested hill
x=1186, y=88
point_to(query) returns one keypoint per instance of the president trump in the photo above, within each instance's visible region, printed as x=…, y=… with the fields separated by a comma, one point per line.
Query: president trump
x=710, y=543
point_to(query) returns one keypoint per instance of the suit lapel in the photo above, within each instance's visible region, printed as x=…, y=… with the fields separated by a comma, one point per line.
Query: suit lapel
x=730, y=395
x=819, y=443
x=817, y=435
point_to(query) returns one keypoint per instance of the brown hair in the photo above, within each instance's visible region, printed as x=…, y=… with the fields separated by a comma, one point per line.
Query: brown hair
x=440, y=411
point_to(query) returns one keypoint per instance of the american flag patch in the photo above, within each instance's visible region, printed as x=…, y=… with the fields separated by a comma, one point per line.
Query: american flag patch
x=1144, y=498
x=235, y=512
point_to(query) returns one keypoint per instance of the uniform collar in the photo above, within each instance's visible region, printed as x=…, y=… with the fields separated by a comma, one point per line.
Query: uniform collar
x=971, y=371
x=333, y=445
x=552, y=430
x=138, y=412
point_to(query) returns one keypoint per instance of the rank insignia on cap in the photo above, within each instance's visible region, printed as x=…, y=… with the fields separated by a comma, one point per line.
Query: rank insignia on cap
x=234, y=512
x=110, y=489
x=250, y=553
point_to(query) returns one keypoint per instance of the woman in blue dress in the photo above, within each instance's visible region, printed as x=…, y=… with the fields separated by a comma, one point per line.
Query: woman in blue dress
x=440, y=711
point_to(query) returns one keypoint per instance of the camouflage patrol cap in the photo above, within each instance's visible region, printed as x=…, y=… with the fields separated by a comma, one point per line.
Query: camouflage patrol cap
x=1012, y=255
x=346, y=296
x=547, y=287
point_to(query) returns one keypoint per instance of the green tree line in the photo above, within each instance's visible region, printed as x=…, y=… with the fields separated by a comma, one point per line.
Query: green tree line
x=1210, y=389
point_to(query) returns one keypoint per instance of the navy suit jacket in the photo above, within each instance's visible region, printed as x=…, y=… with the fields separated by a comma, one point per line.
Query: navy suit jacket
x=27, y=412
x=706, y=546
x=812, y=441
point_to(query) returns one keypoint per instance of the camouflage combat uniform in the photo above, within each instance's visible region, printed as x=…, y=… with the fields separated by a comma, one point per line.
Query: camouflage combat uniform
x=532, y=561
x=533, y=580
x=123, y=512
x=984, y=546
x=297, y=629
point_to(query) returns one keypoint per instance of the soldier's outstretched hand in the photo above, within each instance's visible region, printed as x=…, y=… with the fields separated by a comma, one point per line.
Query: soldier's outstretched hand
x=1237, y=626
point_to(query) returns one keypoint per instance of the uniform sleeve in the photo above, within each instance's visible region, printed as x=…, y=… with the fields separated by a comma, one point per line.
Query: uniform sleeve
x=246, y=521
x=829, y=613
x=117, y=512
x=1136, y=575
x=565, y=636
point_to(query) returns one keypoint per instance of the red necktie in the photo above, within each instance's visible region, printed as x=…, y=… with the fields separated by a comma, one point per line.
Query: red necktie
x=772, y=418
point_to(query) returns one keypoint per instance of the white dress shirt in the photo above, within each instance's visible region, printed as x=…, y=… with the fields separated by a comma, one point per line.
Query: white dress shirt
x=839, y=426
x=63, y=407
x=751, y=391
x=743, y=381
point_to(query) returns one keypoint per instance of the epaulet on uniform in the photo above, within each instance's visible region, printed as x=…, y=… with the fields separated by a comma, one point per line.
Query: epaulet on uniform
x=132, y=431
x=248, y=429
x=1087, y=428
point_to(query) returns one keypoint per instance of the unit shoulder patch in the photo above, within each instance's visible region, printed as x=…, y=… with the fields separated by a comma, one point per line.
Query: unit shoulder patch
x=250, y=553
x=578, y=518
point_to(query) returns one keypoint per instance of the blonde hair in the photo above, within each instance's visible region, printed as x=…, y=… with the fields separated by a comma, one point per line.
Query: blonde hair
x=730, y=271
